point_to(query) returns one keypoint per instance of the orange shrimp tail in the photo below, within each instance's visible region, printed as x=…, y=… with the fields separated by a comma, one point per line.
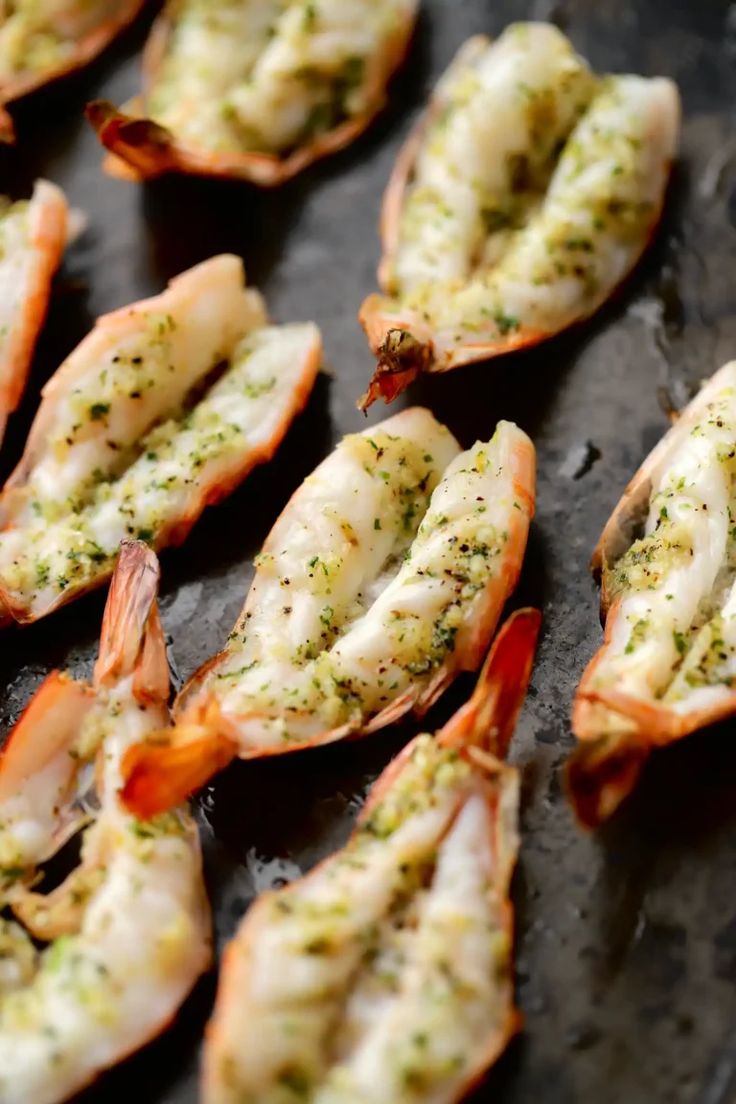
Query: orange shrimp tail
x=488, y=719
x=49, y=723
x=132, y=639
x=601, y=773
x=159, y=777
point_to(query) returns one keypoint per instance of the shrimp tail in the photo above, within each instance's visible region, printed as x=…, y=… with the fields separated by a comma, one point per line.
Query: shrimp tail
x=401, y=358
x=132, y=640
x=44, y=736
x=160, y=776
x=48, y=726
x=487, y=720
x=601, y=773
x=143, y=144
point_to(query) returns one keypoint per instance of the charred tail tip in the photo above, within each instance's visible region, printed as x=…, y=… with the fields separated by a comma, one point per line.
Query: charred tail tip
x=99, y=113
x=401, y=358
x=115, y=129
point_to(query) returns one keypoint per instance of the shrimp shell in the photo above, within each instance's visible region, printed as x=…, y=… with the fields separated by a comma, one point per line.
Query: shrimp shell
x=112, y=421
x=407, y=338
x=338, y=672
x=143, y=149
x=128, y=931
x=364, y=1033
x=619, y=727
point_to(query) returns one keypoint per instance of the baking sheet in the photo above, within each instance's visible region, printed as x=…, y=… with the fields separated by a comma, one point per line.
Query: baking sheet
x=626, y=941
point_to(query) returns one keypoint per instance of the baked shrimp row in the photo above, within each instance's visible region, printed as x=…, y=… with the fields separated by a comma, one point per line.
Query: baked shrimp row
x=386, y=973
x=523, y=198
x=255, y=89
x=127, y=933
x=41, y=40
x=122, y=447
x=33, y=234
x=383, y=578
x=668, y=562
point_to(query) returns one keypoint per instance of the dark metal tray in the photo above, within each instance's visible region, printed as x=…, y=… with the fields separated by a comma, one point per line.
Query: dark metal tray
x=626, y=941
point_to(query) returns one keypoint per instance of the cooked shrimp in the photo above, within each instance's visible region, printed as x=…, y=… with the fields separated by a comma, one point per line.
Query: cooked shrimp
x=493, y=238
x=668, y=557
x=128, y=932
x=41, y=40
x=33, y=235
x=257, y=89
x=386, y=974
x=383, y=578
x=118, y=450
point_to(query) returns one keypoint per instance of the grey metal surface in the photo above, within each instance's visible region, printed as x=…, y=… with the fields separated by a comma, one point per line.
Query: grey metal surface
x=626, y=945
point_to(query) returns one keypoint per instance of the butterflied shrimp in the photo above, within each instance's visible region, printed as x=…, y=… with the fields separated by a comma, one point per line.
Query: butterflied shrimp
x=120, y=448
x=525, y=196
x=41, y=40
x=383, y=578
x=256, y=89
x=386, y=973
x=127, y=933
x=668, y=561
x=33, y=235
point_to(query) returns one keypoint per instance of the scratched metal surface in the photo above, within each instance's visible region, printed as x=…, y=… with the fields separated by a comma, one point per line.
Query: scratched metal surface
x=626, y=945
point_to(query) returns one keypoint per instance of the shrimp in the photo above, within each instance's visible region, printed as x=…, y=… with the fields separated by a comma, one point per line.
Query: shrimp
x=524, y=197
x=128, y=931
x=383, y=578
x=257, y=89
x=118, y=449
x=33, y=235
x=42, y=40
x=667, y=557
x=386, y=973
